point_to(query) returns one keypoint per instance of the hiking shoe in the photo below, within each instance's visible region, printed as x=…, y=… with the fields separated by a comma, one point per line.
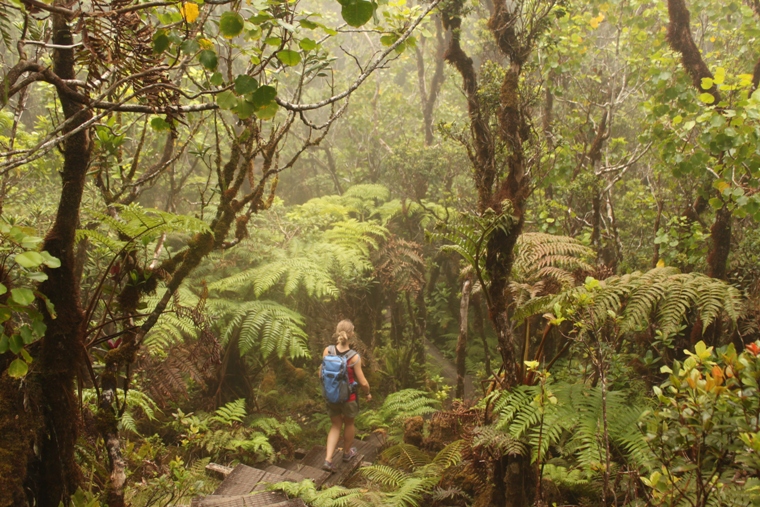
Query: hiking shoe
x=348, y=456
x=327, y=466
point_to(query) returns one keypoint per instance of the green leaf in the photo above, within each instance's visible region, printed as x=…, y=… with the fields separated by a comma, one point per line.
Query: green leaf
x=715, y=203
x=357, y=12
x=159, y=124
x=216, y=79
x=707, y=98
x=268, y=111
x=273, y=41
x=37, y=276
x=388, y=40
x=29, y=259
x=160, y=42
x=50, y=261
x=22, y=296
x=308, y=24
x=39, y=328
x=231, y=24
x=307, y=44
x=49, y=306
x=4, y=344
x=30, y=242
x=263, y=96
x=289, y=57
x=707, y=83
x=26, y=334
x=15, y=343
x=27, y=356
x=245, y=84
x=5, y=313
x=3, y=289
x=208, y=59
x=226, y=100
x=189, y=47
x=18, y=368
x=243, y=109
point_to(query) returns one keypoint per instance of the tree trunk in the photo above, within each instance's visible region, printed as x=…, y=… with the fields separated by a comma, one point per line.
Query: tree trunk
x=52, y=474
x=464, y=306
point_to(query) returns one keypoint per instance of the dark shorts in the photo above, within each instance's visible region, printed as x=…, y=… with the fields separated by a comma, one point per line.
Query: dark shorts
x=350, y=409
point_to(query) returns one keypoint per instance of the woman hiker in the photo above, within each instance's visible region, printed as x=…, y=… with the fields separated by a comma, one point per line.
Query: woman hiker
x=344, y=413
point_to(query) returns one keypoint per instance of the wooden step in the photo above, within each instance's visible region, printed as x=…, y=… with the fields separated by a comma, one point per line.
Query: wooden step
x=258, y=499
x=369, y=448
x=343, y=470
x=245, y=479
x=317, y=475
x=285, y=473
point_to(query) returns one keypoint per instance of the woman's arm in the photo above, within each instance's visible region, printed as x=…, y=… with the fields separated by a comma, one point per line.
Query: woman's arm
x=359, y=374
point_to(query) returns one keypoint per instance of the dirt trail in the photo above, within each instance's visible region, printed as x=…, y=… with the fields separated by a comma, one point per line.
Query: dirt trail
x=449, y=371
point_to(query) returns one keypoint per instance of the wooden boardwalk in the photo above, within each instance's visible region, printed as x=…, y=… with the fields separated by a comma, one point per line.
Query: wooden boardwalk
x=246, y=486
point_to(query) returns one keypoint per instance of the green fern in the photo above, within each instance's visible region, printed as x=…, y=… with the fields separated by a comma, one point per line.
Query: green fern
x=264, y=327
x=541, y=256
x=663, y=297
x=407, y=403
x=335, y=496
x=231, y=413
x=572, y=414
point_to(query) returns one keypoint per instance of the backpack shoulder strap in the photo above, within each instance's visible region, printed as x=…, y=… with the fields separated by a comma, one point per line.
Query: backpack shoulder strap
x=331, y=350
x=350, y=355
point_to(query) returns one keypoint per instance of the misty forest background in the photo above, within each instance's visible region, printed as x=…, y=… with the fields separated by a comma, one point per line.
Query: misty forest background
x=541, y=216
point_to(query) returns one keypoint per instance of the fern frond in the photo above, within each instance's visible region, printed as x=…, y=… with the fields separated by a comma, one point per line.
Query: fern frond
x=405, y=456
x=384, y=475
x=230, y=413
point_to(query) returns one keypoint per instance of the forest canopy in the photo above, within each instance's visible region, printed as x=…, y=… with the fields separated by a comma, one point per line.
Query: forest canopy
x=540, y=216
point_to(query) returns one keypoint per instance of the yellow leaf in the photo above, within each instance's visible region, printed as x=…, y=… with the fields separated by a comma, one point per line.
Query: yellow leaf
x=205, y=44
x=189, y=11
x=661, y=263
x=594, y=22
x=720, y=75
x=721, y=185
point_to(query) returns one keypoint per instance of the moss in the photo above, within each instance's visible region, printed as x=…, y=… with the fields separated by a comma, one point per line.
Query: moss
x=20, y=425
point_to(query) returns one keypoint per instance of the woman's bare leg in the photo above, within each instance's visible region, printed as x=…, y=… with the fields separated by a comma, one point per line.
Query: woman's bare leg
x=348, y=434
x=334, y=435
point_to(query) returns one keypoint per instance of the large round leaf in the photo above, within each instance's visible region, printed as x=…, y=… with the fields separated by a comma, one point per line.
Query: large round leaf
x=18, y=368
x=245, y=84
x=231, y=24
x=226, y=100
x=29, y=259
x=357, y=12
x=263, y=96
x=268, y=111
x=288, y=57
x=208, y=59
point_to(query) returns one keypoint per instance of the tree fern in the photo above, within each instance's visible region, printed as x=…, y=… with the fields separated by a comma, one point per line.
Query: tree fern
x=265, y=327
x=547, y=256
x=663, y=297
x=313, y=266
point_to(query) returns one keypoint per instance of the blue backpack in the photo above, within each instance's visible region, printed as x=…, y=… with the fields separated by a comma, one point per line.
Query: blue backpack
x=335, y=385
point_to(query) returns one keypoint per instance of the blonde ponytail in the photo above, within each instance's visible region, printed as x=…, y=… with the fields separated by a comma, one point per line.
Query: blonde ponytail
x=344, y=331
